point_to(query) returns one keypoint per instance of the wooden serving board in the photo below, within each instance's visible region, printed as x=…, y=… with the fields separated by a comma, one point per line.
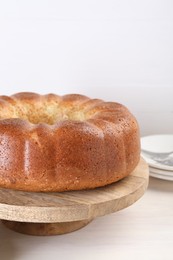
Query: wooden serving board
x=59, y=213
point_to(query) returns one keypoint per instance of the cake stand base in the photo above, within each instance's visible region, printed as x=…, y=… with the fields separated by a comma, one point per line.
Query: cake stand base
x=45, y=229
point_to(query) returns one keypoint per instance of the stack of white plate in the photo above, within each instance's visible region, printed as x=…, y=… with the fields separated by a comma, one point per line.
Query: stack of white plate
x=157, y=150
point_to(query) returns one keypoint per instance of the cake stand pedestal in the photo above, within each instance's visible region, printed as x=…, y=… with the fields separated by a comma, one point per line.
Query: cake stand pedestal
x=59, y=213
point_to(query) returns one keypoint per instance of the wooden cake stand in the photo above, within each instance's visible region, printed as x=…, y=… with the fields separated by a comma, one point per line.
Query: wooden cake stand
x=59, y=213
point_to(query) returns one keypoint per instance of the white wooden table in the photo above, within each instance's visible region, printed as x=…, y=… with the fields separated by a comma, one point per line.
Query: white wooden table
x=142, y=231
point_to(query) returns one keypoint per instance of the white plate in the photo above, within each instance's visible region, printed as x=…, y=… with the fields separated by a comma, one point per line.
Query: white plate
x=161, y=172
x=160, y=176
x=158, y=144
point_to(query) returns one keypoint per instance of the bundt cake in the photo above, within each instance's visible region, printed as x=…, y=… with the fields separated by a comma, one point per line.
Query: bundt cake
x=60, y=143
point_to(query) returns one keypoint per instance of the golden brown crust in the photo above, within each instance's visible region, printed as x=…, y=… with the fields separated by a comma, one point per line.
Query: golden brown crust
x=53, y=143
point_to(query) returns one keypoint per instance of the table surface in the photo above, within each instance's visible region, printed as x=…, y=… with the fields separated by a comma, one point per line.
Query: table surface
x=142, y=231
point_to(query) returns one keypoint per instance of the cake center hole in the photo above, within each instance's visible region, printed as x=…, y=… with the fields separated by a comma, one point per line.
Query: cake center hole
x=51, y=118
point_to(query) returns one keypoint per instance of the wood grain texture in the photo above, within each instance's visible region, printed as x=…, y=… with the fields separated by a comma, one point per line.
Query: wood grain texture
x=74, y=206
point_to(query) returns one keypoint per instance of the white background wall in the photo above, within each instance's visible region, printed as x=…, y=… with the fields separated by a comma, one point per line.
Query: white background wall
x=119, y=50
